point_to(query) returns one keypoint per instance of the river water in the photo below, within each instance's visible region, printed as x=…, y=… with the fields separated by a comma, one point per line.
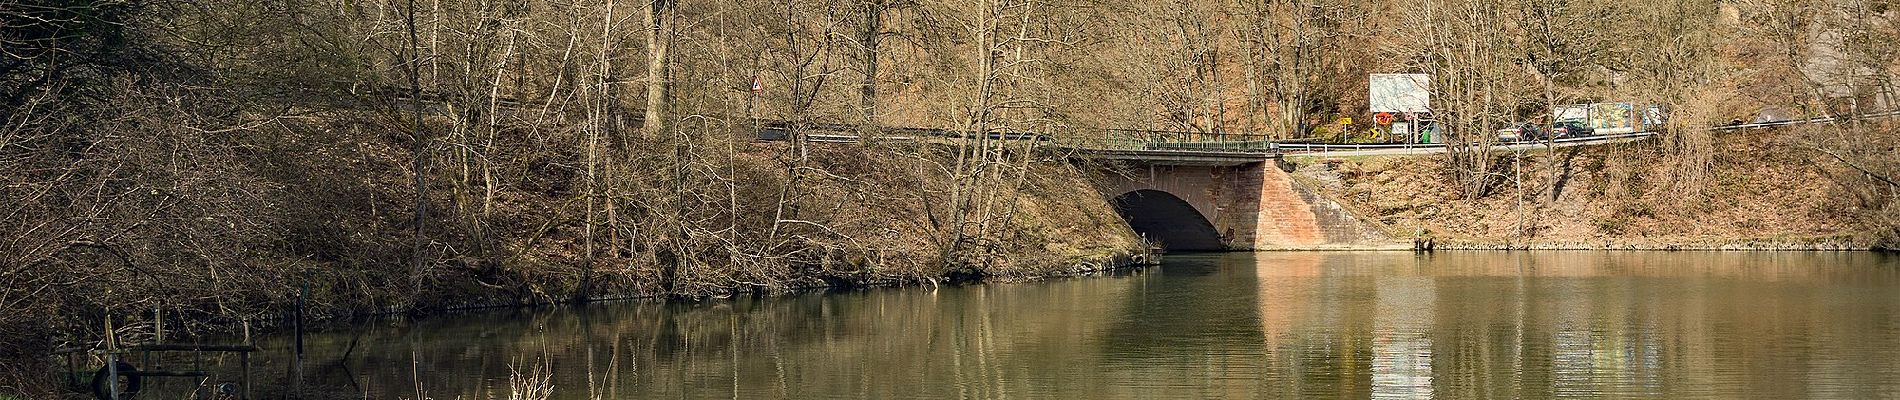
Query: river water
x=1240, y=325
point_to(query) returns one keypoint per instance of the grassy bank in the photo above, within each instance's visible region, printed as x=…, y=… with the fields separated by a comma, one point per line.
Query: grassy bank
x=1759, y=190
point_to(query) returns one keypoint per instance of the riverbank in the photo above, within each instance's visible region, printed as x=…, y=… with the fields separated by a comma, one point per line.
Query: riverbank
x=1761, y=190
x=771, y=219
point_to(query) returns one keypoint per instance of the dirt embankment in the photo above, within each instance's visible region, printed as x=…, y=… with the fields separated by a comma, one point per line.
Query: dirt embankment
x=1760, y=191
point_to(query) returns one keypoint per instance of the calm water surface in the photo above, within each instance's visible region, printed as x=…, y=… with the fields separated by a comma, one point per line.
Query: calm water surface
x=1261, y=325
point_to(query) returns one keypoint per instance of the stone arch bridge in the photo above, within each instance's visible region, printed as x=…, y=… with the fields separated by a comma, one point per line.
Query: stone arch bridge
x=1188, y=191
x=1212, y=200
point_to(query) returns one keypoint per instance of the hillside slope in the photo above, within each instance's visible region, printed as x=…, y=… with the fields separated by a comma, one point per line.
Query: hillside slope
x=1761, y=189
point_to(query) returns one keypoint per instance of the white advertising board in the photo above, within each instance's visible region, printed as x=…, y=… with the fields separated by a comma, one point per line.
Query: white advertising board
x=1401, y=93
x=1571, y=112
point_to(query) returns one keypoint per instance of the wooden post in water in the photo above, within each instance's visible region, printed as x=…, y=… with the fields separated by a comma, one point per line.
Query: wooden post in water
x=296, y=365
x=244, y=362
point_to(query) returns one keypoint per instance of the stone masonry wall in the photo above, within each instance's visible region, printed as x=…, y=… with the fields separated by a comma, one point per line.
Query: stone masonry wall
x=1258, y=206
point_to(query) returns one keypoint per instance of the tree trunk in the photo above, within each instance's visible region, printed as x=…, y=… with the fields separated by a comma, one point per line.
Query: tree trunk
x=868, y=39
x=658, y=47
x=419, y=148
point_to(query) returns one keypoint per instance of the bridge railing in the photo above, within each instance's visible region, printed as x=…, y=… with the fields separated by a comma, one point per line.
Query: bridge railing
x=1149, y=140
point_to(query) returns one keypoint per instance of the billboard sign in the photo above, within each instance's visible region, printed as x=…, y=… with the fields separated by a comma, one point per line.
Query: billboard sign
x=1613, y=116
x=1571, y=112
x=1401, y=93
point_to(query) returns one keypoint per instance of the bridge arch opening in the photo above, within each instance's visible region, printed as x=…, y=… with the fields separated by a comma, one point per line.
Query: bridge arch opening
x=1168, y=221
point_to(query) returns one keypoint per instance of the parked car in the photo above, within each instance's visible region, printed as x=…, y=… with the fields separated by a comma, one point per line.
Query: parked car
x=1569, y=129
x=1522, y=132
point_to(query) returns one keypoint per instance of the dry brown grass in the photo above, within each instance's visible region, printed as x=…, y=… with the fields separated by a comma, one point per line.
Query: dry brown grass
x=1760, y=187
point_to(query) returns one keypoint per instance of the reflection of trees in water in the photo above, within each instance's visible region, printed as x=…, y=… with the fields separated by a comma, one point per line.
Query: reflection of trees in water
x=1455, y=325
x=1196, y=326
x=977, y=341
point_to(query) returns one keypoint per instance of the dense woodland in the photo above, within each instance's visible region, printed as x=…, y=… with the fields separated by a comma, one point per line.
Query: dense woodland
x=212, y=156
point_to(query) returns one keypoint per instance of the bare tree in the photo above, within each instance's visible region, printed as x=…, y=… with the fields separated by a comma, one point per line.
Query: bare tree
x=1294, y=53
x=658, y=16
x=1475, y=87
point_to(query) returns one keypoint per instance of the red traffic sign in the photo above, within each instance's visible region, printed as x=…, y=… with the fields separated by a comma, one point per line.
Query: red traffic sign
x=1383, y=118
x=757, y=86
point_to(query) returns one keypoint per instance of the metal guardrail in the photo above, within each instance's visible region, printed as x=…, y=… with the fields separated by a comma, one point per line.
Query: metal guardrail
x=1326, y=148
x=1771, y=124
x=1170, y=141
x=1105, y=139
x=844, y=133
x=1136, y=140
